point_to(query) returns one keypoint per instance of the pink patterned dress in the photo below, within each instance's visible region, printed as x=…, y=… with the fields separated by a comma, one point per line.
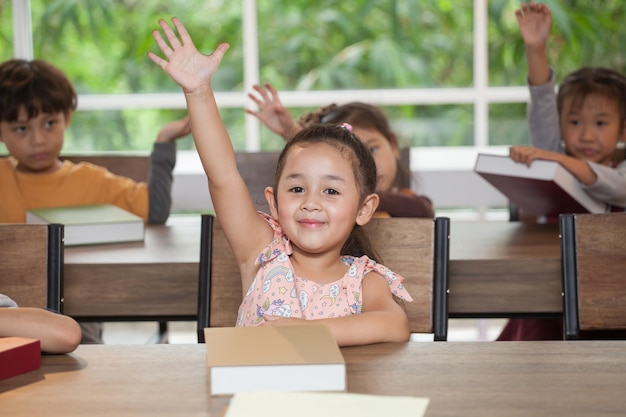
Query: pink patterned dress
x=277, y=291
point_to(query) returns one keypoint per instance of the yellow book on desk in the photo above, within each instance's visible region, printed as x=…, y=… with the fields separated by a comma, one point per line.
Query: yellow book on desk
x=289, y=358
x=91, y=224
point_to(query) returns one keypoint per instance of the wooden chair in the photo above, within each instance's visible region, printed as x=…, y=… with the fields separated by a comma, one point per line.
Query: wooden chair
x=594, y=281
x=136, y=167
x=31, y=264
x=417, y=249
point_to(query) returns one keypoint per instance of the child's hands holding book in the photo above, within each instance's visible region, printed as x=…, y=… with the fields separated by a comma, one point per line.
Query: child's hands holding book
x=527, y=154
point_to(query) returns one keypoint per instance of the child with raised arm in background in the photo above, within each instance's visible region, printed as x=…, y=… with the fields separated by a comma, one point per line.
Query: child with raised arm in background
x=307, y=260
x=36, y=105
x=57, y=333
x=589, y=116
x=581, y=126
x=369, y=124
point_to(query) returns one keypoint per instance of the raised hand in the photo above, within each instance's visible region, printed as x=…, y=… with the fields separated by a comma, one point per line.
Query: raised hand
x=191, y=69
x=534, y=22
x=271, y=112
x=174, y=130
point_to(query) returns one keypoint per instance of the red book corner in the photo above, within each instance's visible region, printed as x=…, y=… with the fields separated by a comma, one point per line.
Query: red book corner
x=18, y=355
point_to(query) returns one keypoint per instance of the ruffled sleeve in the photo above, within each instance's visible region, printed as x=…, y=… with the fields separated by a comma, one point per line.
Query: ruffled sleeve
x=395, y=281
x=359, y=267
x=279, y=244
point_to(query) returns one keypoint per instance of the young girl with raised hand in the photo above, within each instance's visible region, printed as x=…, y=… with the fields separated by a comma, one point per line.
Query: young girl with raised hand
x=307, y=260
x=579, y=127
x=582, y=125
x=370, y=125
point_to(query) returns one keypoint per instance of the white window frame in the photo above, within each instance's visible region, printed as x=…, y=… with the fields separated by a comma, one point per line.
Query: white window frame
x=425, y=160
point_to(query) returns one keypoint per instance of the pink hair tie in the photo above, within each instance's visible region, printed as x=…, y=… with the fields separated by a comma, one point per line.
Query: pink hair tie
x=347, y=126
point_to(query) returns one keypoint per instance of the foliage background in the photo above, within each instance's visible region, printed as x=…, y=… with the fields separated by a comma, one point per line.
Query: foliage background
x=311, y=45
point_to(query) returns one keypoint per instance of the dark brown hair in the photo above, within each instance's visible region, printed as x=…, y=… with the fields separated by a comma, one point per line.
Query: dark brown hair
x=588, y=81
x=364, y=116
x=37, y=86
x=363, y=167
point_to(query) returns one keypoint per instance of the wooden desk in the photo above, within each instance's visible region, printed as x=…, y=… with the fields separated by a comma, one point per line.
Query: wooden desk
x=154, y=280
x=497, y=269
x=504, y=269
x=581, y=378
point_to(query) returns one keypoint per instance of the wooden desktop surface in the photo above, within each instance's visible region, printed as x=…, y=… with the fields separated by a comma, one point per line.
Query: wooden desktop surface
x=504, y=269
x=580, y=378
x=497, y=269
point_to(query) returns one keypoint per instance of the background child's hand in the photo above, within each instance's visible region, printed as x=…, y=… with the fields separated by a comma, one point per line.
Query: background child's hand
x=271, y=112
x=527, y=154
x=174, y=130
x=534, y=22
x=183, y=63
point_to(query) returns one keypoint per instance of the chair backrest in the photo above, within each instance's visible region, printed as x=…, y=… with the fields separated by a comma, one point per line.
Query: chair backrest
x=593, y=248
x=417, y=249
x=136, y=167
x=31, y=264
x=257, y=170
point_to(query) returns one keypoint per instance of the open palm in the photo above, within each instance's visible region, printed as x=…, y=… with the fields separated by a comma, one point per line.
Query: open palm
x=534, y=22
x=191, y=69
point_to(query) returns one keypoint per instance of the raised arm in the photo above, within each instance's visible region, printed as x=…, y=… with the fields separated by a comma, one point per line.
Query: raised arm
x=162, y=163
x=246, y=232
x=272, y=113
x=534, y=22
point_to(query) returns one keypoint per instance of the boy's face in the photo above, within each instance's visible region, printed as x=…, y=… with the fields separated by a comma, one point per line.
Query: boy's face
x=35, y=143
x=592, y=130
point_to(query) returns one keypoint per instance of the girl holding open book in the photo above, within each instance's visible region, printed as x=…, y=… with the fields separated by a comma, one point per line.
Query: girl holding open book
x=307, y=259
x=582, y=125
x=580, y=128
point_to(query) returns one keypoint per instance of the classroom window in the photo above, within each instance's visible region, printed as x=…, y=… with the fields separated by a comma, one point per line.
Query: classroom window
x=450, y=74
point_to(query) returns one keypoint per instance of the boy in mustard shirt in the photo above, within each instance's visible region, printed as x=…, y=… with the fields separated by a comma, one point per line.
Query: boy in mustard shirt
x=36, y=105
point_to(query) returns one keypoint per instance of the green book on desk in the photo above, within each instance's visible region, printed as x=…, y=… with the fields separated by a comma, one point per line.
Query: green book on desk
x=91, y=224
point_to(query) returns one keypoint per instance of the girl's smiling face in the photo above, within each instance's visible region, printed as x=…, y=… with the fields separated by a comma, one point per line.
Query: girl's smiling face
x=317, y=200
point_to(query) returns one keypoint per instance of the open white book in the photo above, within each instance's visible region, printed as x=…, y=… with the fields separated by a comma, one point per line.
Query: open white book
x=289, y=358
x=545, y=188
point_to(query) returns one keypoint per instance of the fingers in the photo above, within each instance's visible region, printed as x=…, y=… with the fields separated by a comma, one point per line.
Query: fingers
x=255, y=99
x=169, y=33
x=219, y=52
x=185, y=39
x=272, y=91
x=260, y=91
x=163, y=46
x=252, y=113
x=157, y=59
